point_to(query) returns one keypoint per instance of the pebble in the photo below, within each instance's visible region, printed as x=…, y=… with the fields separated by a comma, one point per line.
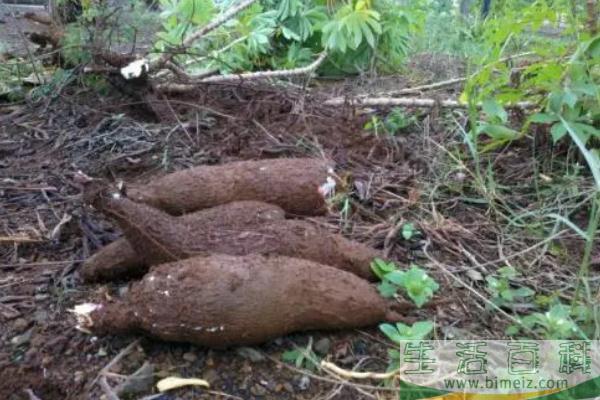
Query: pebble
x=258, y=390
x=288, y=387
x=250, y=354
x=78, y=376
x=190, y=357
x=20, y=325
x=210, y=376
x=322, y=346
x=304, y=383
x=40, y=316
x=22, y=339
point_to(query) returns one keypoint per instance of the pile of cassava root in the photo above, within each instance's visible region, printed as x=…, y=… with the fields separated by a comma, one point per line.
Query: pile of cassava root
x=223, y=266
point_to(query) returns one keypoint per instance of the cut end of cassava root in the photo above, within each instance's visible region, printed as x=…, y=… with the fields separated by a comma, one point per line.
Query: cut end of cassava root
x=219, y=301
x=83, y=314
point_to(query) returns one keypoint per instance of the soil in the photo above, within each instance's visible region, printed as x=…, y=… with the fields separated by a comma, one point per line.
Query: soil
x=46, y=233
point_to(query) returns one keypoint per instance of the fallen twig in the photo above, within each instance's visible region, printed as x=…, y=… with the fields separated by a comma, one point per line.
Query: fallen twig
x=239, y=78
x=110, y=394
x=410, y=102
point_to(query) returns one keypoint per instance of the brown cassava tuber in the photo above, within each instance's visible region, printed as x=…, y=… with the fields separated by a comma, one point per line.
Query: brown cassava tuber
x=158, y=237
x=293, y=184
x=223, y=300
x=119, y=259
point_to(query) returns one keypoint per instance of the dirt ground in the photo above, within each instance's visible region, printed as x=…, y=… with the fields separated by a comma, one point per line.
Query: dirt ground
x=46, y=233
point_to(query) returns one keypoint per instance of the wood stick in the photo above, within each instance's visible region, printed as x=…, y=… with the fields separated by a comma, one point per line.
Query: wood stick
x=409, y=102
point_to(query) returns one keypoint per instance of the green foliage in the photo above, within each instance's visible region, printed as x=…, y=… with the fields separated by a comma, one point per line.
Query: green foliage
x=556, y=323
x=302, y=357
x=395, y=122
x=415, y=282
x=399, y=332
x=351, y=25
x=409, y=231
x=501, y=289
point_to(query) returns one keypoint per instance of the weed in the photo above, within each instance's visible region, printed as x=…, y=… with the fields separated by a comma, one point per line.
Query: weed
x=415, y=282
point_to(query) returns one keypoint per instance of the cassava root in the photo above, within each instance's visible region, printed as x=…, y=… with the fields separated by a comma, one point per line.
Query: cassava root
x=158, y=237
x=220, y=300
x=119, y=260
x=293, y=184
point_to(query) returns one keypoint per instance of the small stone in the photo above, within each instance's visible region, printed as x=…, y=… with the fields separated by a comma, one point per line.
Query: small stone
x=210, y=362
x=250, y=354
x=210, y=376
x=190, y=357
x=322, y=346
x=20, y=325
x=40, y=297
x=288, y=387
x=78, y=376
x=40, y=316
x=304, y=383
x=102, y=352
x=258, y=390
x=20, y=340
x=246, y=368
x=278, y=388
x=123, y=290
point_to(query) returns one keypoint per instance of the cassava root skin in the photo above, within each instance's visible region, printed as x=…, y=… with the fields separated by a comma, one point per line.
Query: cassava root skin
x=158, y=237
x=220, y=300
x=291, y=183
x=119, y=260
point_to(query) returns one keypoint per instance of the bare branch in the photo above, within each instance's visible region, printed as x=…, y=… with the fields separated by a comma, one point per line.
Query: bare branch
x=409, y=102
x=283, y=73
x=203, y=31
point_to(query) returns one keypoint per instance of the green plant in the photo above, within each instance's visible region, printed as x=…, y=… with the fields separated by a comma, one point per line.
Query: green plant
x=415, y=282
x=501, y=289
x=556, y=323
x=396, y=121
x=400, y=332
x=409, y=230
x=302, y=357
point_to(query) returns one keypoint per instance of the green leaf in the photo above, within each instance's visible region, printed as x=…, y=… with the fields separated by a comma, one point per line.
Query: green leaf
x=391, y=332
x=508, y=272
x=396, y=277
x=422, y=329
x=408, y=231
x=500, y=132
x=542, y=118
x=523, y=292
x=558, y=131
x=387, y=289
x=512, y=330
x=507, y=295
x=291, y=356
x=495, y=110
